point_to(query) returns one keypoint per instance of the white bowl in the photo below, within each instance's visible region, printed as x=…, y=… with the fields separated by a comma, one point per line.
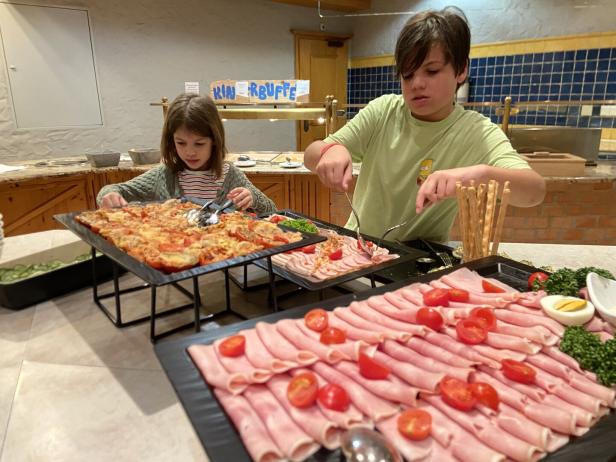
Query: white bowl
x=602, y=292
x=144, y=156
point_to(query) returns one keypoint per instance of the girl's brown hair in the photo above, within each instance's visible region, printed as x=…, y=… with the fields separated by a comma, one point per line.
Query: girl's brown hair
x=197, y=114
x=447, y=28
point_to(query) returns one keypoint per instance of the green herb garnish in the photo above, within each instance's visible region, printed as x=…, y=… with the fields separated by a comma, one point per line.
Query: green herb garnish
x=580, y=275
x=568, y=282
x=592, y=354
x=301, y=224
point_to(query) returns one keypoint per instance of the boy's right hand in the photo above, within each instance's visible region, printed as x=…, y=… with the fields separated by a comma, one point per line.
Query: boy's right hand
x=335, y=168
x=113, y=199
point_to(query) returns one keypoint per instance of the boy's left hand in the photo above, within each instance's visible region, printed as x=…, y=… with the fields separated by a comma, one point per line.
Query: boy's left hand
x=442, y=184
x=241, y=197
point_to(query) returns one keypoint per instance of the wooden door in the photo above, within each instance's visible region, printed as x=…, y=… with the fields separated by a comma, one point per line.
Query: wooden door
x=322, y=59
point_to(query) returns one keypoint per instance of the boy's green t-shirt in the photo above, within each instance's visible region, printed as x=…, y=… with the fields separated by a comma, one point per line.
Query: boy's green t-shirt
x=398, y=152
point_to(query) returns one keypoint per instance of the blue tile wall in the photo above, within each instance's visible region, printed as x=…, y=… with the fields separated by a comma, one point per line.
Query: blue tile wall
x=579, y=75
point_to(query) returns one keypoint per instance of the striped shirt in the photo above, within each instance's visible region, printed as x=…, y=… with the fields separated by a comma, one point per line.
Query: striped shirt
x=202, y=184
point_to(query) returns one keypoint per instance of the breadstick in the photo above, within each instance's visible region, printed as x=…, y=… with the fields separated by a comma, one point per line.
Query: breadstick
x=501, y=217
x=462, y=219
x=481, y=204
x=474, y=219
x=489, y=215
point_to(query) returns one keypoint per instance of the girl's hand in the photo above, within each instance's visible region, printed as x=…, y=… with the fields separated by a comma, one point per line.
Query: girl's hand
x=442, y=185
x=241, y=197
x=113, y=199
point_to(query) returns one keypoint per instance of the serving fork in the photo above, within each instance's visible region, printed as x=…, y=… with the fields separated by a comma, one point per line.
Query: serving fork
x=360, y=238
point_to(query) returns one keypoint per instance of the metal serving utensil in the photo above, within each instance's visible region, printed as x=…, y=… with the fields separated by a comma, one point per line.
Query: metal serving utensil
x=213, y=218
x=362, y=445
x=444, y=256
x=360, y=239
x=194, y=215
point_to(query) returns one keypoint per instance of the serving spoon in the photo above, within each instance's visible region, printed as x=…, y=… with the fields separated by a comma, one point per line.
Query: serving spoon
x=362, y=445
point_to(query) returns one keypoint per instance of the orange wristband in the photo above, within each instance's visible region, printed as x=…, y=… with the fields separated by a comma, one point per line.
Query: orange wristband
x=325, y=148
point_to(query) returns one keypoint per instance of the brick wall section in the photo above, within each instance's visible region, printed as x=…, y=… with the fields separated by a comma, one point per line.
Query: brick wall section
x=573, y=212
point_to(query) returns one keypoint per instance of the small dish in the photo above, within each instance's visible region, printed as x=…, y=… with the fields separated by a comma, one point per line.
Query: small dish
x=291, y=164
x=103, y=158
x=567, y=318
x=602, y=292
x=245, y=163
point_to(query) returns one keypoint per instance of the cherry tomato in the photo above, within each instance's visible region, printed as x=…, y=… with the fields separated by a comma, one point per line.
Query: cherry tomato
x=309, y=248
x=485, y=394
x=457, y=393
x=302, y=390
x=415, y=424
x=233, y=346
x=277, y=219
x=429, y=317
x=436, y=297
x=316, y=319
x=371, y=368
x=332, y=396
x=536, y=281
x=336, y=255
x=517, y=371
x=485, y=317
x=458, y=295
x=491, y=288
x=332, y=335
x=471, y=331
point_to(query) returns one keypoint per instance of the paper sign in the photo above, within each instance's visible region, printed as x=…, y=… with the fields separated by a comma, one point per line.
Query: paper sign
x=260, y=91
x=191, y=87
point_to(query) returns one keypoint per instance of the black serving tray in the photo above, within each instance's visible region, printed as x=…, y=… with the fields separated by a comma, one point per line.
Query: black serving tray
x=23, y=293
x=159, y=278
x=222, y=442
x=407, y=256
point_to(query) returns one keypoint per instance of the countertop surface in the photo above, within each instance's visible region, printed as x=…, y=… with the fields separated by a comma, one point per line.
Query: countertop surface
x=267, y=162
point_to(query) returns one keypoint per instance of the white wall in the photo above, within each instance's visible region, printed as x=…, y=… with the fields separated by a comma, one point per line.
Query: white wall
x=490, y=20
x=145, y=49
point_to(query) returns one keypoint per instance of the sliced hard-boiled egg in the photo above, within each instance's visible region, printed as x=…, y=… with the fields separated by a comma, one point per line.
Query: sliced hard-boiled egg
x=570, y=311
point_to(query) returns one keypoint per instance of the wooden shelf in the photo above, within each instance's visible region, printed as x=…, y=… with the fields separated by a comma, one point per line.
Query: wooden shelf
x=273, y=113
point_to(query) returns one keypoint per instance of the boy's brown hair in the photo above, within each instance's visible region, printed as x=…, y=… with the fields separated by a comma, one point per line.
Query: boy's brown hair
x=197, y=114
x=447, y=28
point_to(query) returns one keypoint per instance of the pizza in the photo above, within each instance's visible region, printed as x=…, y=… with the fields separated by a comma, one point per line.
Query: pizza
x=160, y=235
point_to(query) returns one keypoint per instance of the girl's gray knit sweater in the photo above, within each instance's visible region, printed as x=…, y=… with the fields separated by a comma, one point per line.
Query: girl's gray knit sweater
x=161, y=183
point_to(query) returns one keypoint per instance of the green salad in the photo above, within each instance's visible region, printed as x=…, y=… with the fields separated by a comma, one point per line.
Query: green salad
x=19, y=272
x=301, y=224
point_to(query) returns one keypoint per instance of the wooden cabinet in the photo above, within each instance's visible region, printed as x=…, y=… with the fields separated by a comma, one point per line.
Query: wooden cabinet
x=276, y=187
x=29, y=206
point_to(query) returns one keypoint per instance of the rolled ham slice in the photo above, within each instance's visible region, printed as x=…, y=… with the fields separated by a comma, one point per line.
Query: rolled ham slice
x=538, y=334
x=290, y=330
x=347, y=315
x=382, y=305
x=280, y=347
x=392, y=388
x=241, y=365
x=364, y=310
x=428, y=349
x=374, y=407
x=411, y=450
x=213, y=371
x=530, y=320
x=288, y=436
x=398, y=359
x=452, y=345
x=355, y=333
x=254, y=435
x=260, y=357
x=310, y=419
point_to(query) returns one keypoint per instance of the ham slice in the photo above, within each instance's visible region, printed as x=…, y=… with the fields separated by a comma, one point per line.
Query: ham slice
x=480, y=426
x=558, y=387
x=366, y=312
x=260, y=357
x=213, y=372
x=498, y=354
x=310, y=419
x=356, y=333
x=538, y=334
x=254, y=435
x=460, y=349
x=280, y=347
x=530, y=320
x=288, y=436
x=392, y=388
x=412, y=294
x=241, y=365
x=347, y=315
x=531, y=391
x=289, y=329
x=399, y=359
x=382, y=305
x=503, y=342
x=374, y=407
x=427, y=349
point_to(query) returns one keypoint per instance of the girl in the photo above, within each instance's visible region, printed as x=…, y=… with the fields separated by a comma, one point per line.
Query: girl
x=193, y=152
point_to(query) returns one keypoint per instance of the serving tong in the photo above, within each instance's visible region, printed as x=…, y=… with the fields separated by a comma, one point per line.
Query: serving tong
x=204, y=217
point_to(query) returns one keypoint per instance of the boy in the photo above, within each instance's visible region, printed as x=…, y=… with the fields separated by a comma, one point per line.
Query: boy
x=414, y=147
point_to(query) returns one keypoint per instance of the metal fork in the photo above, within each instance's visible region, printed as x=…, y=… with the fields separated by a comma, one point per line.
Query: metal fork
x=389, y=230
x=193, y=215
x=360, y=239
x=213, y=218
x=444, y=256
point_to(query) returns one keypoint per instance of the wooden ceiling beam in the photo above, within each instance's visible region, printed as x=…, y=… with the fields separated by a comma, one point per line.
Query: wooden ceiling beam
x=349, y=6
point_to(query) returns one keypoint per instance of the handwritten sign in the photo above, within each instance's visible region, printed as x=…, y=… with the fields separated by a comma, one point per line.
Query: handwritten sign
x=260, y=91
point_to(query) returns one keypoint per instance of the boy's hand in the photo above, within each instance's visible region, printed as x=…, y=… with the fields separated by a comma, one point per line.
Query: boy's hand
x=241, y=197
x=335, y=168
x=442, y=184
x=113, y=199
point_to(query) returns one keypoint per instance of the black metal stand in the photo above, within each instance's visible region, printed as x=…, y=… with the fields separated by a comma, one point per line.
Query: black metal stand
x=195, y=303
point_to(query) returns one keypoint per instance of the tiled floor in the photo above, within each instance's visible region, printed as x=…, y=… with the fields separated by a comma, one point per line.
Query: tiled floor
x=73, y=387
